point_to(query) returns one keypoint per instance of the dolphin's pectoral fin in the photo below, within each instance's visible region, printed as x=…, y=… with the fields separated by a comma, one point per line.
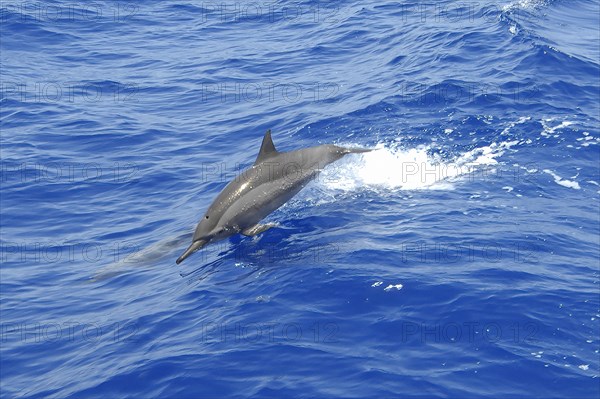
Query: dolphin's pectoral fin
x=257, y=229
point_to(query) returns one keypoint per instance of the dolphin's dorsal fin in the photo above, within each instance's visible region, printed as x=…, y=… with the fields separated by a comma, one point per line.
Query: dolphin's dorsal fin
x=267, y=149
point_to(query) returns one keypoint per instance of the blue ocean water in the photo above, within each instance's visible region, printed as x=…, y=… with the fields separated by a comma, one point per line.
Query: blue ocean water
x=459, y=259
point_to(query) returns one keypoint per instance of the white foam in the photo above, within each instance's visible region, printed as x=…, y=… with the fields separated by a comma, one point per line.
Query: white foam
x=549, y=130
x=521, y=120
x=392, y=286
x=524, y=5
x=561, y=181
x=407, y=169
x=588, y=140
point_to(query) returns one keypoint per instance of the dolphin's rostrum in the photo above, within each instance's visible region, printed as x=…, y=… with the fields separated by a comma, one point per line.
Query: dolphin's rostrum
x=274, y=178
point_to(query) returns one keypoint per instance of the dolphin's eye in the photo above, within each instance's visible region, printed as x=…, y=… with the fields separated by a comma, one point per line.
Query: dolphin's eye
x=207, y=216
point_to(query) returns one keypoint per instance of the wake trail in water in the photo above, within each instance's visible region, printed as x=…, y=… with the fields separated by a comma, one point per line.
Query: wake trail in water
x=141, y=257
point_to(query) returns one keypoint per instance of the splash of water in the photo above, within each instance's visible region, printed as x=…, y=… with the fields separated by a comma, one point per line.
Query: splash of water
x=408, y=169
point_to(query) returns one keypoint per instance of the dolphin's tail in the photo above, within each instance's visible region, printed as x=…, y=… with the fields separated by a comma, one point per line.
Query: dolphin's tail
x=192, y=248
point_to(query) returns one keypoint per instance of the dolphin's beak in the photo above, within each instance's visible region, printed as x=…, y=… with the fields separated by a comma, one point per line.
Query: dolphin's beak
x=196, y=245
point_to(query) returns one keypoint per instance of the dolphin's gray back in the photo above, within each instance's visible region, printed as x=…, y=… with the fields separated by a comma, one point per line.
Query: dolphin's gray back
x=270, y=183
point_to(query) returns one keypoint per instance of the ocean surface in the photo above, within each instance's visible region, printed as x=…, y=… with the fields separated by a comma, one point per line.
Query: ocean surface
x=459, y=259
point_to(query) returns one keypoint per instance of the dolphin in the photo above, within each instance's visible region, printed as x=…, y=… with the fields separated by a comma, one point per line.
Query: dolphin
x=273, y=179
